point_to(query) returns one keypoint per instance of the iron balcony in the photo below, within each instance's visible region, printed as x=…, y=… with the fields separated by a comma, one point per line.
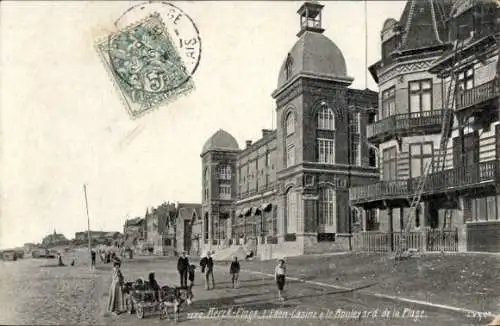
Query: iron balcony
x=451, y=180
x=405, y=124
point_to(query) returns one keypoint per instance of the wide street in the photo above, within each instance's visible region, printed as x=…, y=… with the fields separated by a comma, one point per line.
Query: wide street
x=35, y=293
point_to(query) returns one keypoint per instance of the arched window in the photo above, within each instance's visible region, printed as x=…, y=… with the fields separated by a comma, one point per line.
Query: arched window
x=327, y=210
x=326, y=119
x=290, y=124
x=224, y=172
x=291, y=212
x=289, y=142
x=469, y=125
x=206, y=184
x=205, y=225
x=325, y=142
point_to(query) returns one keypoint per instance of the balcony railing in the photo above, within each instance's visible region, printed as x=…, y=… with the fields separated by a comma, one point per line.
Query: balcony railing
x=406, y=122
x=435, y=183
x=478, y=94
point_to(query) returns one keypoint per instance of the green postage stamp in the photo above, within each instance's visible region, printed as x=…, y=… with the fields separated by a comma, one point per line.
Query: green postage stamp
x=149, y=65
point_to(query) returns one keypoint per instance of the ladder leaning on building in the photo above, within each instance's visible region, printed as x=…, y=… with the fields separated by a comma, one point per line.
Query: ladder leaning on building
x=446, y=129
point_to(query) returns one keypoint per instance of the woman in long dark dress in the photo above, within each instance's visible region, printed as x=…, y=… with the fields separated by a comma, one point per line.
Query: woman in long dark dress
x=116, y=303
x=154, y=286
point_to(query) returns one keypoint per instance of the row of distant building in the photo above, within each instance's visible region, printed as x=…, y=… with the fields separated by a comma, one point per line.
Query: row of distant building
x=81, y=238
x=164, y=230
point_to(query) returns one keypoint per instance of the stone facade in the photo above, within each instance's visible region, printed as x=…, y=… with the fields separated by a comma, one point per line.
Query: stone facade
x=290, y=189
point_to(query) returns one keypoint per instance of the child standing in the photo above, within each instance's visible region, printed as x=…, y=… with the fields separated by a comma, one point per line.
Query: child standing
x=234, y=270
x=191, y=275
x=279, y=275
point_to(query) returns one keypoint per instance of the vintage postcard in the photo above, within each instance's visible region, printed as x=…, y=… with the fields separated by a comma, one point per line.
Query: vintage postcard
x=250, y=162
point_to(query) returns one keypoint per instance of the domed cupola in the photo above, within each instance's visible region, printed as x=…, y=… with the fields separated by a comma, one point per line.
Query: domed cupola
x=220, y=141
x=314, y=54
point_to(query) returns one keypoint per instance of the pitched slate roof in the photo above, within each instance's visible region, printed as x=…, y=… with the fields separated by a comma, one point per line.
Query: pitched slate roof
x=134, y=221
x=423, y=23
x=186, y=210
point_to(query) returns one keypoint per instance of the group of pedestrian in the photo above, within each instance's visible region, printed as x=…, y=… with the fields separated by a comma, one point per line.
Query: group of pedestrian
x=106, y=257
x=279, y=275
x=186, y=271
x=207, y=268
x=116, y=303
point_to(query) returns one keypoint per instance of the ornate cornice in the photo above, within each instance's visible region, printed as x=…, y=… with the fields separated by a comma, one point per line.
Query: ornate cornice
x=403, y=68
x=308, y=85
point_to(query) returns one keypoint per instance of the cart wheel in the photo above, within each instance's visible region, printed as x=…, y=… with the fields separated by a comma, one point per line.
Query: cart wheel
x=130, y=306
x=140, y=312
x=163, y=312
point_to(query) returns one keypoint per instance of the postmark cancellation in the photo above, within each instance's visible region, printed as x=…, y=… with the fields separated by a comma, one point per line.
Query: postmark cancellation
x=152, y=62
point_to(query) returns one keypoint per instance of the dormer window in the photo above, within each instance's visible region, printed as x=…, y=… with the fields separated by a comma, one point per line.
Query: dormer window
x=288, y=66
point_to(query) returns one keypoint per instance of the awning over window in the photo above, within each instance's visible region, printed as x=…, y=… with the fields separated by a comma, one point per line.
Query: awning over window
x=266, y=207
x=247, y=211
x=255, y=211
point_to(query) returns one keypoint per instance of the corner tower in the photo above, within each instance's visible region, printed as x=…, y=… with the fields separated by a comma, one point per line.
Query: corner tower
x=218, y=160
x=313, y=111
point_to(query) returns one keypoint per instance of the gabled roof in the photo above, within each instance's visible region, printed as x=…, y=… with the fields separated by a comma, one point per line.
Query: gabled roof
x=134, y=221
x=187, y=210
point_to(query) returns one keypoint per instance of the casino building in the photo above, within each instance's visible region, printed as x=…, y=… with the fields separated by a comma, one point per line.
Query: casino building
x=287, y=193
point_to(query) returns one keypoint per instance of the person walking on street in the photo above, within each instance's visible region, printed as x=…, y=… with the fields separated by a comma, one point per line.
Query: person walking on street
x=207, y=267
x=191, y=275
x=182, y=268
x=234, y=270
x=279, y=276
x=92, y=257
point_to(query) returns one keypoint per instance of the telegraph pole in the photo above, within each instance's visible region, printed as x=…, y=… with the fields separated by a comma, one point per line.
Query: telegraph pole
x=366, y=44
x=88, y=220
x=349, y=162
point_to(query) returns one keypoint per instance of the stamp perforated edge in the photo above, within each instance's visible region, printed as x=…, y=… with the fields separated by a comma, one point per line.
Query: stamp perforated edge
x=177, y=92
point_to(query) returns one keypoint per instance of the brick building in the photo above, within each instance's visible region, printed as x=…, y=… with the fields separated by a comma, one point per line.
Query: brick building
x=460, y=204
x=173, y=228
x=288, y=192
x=135, y=228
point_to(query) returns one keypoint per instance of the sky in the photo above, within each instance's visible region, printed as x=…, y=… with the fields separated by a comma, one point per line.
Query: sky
x=63, y=123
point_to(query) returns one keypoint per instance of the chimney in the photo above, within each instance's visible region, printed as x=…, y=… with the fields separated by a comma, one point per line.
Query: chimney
x=266, y=132
x=248, y=143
